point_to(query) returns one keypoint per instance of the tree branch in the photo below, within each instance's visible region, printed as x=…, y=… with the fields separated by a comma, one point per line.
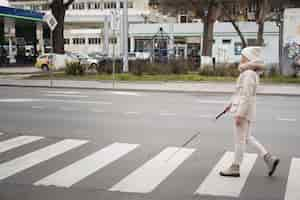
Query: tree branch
x=244, y=43
x=68, y=3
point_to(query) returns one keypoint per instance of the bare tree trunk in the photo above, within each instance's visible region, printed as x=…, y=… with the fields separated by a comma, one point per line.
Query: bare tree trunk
x=237, y=29
x=260, y=34
x=208, y=32
x=264, y=8
x=58, y=8
x=58, y=11
x=208, y=37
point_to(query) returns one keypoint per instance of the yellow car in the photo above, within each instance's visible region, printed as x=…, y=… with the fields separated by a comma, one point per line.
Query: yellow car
x=54, y=61
x=44, y=61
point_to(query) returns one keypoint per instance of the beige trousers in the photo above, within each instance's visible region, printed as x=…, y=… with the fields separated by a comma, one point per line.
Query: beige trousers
x=242, y=137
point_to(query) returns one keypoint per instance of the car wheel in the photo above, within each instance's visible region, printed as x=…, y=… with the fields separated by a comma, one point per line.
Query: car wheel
x=45, y=68
x=93, y=67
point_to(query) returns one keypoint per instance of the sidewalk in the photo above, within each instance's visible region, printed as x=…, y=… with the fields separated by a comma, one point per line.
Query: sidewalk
x=19, y=70
x=189, y=87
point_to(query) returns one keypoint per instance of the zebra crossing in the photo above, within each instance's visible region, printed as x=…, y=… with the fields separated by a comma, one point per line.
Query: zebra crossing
x=142, y=180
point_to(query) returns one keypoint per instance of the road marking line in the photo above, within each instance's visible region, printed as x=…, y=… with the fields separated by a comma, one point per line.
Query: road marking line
x=146, y=178
x=167, y=114
x=22, y=163
x=216, y=185
x=126, y=93
x=53, y=100
x=38, y=107
x=67, y=109
x=293, y=184
x=98, y=111
x=206, y=116
x=62, y=92
x=65, y=95
x=17, y=100
x=79, y=170
x=77, y=101
x=132, y=113
x=212, y=101
x=287, y=119
x=17, y=142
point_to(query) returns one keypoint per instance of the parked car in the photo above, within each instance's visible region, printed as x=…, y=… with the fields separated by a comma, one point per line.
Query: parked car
x=54, y=61
x=87, y=60
x=132, y=56
x=100, y=57
x=143, y=55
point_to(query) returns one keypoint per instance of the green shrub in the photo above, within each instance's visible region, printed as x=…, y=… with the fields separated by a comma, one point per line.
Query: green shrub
x=75, y=68
x=107, y=67
x=179, y=66
x=174, y=66
x=220, y=70
x=138, y=67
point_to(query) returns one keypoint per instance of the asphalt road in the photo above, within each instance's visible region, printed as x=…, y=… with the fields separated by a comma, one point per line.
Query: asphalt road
x=153, y=121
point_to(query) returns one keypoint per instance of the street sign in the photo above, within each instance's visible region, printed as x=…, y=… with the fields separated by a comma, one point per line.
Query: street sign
x=50, y=20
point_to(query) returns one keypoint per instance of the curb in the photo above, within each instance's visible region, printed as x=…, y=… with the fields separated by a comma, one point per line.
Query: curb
x=146, y=90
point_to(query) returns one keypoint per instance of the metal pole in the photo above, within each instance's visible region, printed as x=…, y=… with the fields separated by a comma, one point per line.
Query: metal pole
x=281, y=24
x=51, y=63
x=125, y=38
x=114, y=60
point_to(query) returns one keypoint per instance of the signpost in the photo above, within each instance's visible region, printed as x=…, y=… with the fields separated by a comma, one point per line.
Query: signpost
x=115, y=26
x=52, y=23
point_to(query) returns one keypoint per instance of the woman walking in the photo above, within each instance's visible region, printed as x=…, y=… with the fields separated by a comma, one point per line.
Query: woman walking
x=243, y=106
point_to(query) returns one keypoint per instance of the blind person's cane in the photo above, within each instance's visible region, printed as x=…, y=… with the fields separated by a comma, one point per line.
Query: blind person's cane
x=196, y=135
x=222, y=113
x=184, y=145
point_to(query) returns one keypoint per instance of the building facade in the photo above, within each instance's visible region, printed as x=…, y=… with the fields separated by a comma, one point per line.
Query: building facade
x=95, y=26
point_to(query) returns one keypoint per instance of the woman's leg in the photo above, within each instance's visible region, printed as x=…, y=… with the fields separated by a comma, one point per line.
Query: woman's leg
x=240, y=139
x=271, y=161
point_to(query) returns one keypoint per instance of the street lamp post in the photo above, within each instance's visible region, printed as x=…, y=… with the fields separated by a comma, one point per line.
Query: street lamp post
x=125, y=36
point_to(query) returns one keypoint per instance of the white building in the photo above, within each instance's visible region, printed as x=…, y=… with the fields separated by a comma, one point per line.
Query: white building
x=86, y=20
x=187, y=38
x=88, y=28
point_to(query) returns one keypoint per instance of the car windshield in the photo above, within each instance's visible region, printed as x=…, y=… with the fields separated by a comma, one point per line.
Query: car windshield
x=95, y=55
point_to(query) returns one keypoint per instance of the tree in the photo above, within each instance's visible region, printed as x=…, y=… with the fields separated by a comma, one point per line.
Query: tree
x=58, y=9
x=209, y=11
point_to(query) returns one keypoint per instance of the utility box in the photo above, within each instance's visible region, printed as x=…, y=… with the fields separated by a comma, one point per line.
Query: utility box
x=291, y=42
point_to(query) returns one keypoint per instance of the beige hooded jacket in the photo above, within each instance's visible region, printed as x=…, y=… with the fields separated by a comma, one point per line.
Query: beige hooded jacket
x=244, y=99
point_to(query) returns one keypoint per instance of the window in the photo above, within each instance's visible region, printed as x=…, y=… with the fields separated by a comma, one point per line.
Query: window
x=66, y=41
x=110, y=5
x=154, y=3
x=237, y=48
x=183, y=19
x=226, y=41
x=78, y=41
x=130, y=4
x=113, y=40
x=78, y=6
x=94, y=5
x=94, y=40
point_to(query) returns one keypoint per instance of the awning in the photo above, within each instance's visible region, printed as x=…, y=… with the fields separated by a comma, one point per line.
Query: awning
x=18, y=13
